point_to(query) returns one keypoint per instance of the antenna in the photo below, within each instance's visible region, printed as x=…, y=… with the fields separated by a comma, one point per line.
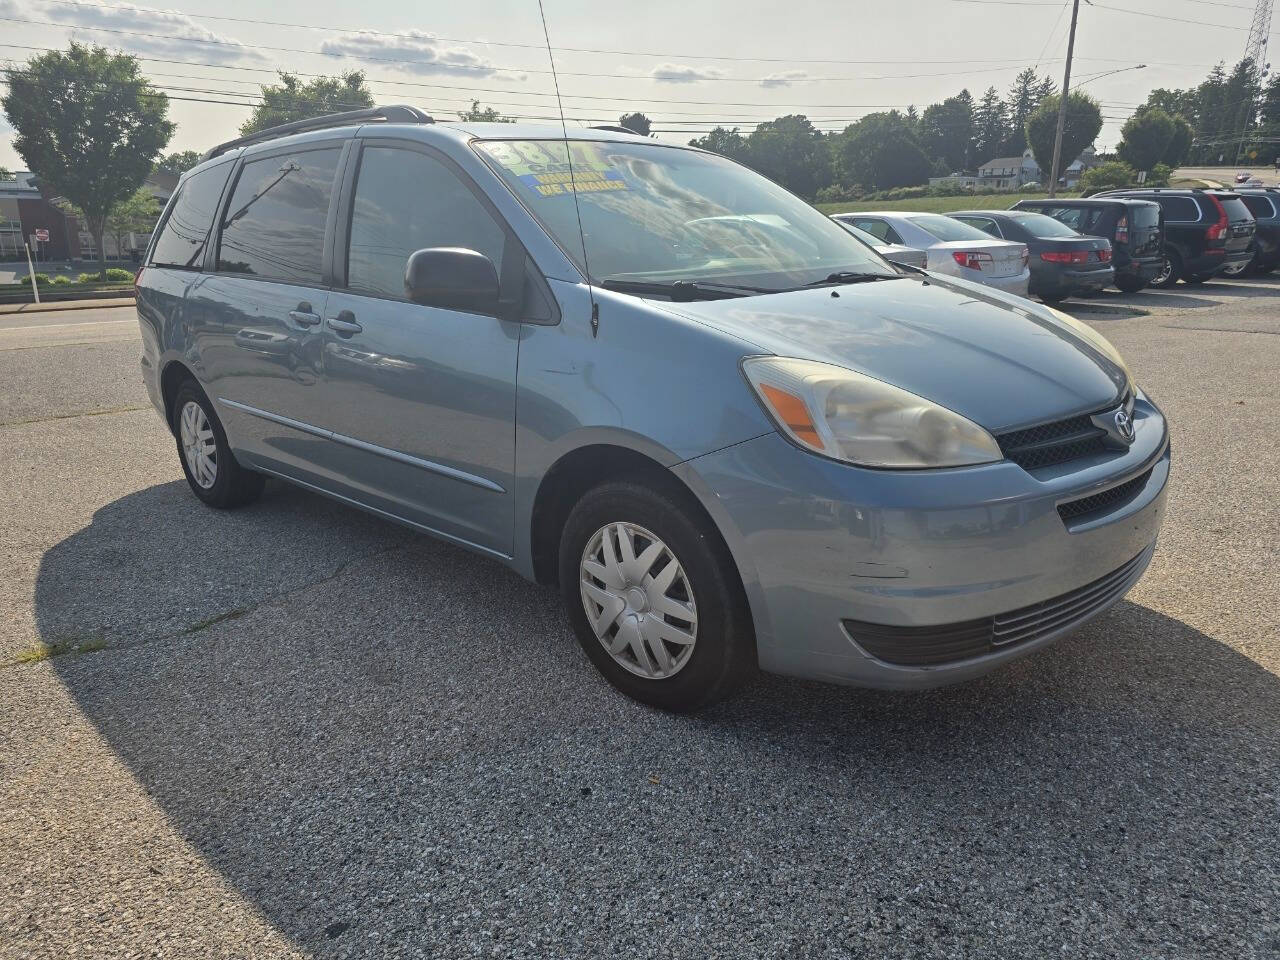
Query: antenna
x=573, y=183
x=1255, y=49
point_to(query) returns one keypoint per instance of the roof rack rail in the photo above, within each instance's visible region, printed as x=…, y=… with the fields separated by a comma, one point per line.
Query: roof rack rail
x=396, y=113
x=617, y=128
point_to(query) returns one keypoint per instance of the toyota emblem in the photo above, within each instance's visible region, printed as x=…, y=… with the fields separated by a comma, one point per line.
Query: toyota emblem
x=1124, y=426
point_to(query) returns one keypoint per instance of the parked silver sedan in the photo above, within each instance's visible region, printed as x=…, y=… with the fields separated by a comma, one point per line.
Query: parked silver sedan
x=893, y=252
x=952, y=247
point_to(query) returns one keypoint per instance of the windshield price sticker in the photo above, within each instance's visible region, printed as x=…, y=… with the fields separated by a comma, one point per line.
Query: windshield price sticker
x=547, y=173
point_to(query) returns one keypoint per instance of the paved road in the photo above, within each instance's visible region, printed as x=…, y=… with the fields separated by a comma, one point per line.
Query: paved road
x=296, y=730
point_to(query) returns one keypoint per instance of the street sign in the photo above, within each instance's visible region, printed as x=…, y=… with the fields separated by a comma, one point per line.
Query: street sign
x=42, y=235
x=1142, y=176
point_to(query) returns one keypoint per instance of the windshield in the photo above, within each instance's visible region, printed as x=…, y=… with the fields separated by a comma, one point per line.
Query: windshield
x=665, y=215
x=1038, y=225
x=944, y=228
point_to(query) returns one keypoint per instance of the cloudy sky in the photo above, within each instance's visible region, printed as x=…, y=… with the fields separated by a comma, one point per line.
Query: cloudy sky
x=687, y=65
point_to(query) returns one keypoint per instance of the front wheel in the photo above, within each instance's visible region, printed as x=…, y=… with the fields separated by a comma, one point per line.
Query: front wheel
x=1129, y=284
x=212, y=471
x=654, y=598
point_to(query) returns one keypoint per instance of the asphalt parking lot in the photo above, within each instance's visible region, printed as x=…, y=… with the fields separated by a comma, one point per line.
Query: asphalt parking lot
x=297, y=730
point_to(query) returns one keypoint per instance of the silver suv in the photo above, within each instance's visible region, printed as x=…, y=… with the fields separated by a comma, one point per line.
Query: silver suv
x=731, y=433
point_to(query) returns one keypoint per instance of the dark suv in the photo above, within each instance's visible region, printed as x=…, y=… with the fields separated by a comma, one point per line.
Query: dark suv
x=1264, y=204
x=1134, y=228
x=1205, y=232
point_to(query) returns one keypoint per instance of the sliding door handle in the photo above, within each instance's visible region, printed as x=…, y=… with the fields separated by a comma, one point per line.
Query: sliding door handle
x=303, y=315
x=345, y=324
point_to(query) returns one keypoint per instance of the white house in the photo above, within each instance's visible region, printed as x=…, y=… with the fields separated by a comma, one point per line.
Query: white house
x=1010, y=173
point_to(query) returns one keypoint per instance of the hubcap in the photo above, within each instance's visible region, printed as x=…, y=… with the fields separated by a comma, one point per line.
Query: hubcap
x=638, y=600
x=198, y=445
x=1165, y=270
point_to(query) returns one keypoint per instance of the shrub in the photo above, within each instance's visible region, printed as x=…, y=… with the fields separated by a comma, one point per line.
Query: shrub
x=838, y=193
x=41, y=278
x=1107, y=176
x=119, y=274
x=61, y=280
x=1159, y=175
x=87, y=278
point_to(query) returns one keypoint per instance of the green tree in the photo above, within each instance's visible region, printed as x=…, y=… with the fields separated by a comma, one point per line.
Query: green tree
x=1083, y=124
x=1180, y=143
x=178, y=163
x=637, y=122
x=292, y=99
x=136, y=213
x=990, y=127
x=946, y=132
x=882, y=150
x=1270, y=120
x=1025, y=94
x=1111, y=175
x=1145, y=139
x=89, y=126
x=479, y=114
x=791, y=151
x=727, y=143
x=1176, y=103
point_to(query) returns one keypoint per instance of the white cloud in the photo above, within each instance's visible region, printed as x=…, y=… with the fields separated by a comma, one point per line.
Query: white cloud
x=10, y=8
x=783, y=78
x=683, y=73
x=176, y=28
x=416, y=52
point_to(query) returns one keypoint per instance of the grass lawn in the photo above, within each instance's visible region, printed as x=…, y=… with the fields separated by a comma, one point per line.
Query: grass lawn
x=998, y=201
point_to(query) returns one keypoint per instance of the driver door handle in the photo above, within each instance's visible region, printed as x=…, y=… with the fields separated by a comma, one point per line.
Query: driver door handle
x=345, y=323
x=304, y=316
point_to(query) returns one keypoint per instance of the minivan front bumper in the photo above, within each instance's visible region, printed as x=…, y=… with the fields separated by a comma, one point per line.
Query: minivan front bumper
x=851, y=572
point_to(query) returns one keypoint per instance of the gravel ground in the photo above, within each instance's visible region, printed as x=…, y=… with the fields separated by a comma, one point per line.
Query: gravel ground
x=296, y=730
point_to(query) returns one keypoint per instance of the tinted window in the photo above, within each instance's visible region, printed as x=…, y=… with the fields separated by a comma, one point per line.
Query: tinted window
x=1235, y=208
x=1070, y=216
x=945, y=228
x=274, y=225
x=1179, y=208
x=185, y=232
x=1143, y=216
x=1039, y=225
x=877, y=228
x=406, y=201
x=983, y=224
x=1259, y=206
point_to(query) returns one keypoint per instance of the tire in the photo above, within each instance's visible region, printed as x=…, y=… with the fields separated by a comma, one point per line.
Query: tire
x=721, y=655
x=1173, y=270
x=1239, y=270
x=1130, y=284
x=231, y=484
x=1195, y=279
x=1052, y=297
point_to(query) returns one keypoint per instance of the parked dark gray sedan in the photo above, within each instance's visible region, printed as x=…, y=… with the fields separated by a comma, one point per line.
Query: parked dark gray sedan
x=1063, y=263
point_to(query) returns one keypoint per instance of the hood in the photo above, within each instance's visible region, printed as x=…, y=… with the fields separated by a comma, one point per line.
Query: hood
x=999, y=360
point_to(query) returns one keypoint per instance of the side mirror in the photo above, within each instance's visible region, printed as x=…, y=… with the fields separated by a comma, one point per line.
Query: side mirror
x=454, y=278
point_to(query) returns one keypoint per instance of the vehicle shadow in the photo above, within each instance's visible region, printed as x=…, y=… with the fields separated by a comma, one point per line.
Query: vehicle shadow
x=403, y=738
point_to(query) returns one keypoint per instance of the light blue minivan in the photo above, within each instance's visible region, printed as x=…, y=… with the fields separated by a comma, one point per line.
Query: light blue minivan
x=732, y=434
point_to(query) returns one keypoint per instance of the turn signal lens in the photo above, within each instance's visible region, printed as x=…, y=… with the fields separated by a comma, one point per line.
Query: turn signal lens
x=791, y=412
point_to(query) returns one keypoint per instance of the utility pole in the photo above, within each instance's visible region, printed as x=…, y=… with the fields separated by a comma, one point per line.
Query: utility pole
x=1255, y=49
x=1062, y=105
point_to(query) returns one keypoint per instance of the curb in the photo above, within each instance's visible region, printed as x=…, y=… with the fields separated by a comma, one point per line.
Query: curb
x=58, y=305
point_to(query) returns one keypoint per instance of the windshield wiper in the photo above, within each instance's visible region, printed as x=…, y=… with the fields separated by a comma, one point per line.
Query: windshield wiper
x=848, y=276
x=683, y=290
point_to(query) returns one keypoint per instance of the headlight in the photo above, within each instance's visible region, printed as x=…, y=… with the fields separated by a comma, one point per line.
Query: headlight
x=848, y=416
x=1096, y=340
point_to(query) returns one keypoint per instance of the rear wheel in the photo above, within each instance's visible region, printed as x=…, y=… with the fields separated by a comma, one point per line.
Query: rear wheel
x=1196, y=279
x=654, y=598
x=1170, y=271
x=1055, y=297
x=1130, y=284
x=213, y=473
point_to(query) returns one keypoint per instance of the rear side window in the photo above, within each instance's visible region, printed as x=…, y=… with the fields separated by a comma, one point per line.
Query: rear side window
x=1259, y=206
x=1179, y=208
x=406, y=201
x=1071, y=216
x=983, y=224
x=274, y=225
x=1041, y=226
x=186, y=231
